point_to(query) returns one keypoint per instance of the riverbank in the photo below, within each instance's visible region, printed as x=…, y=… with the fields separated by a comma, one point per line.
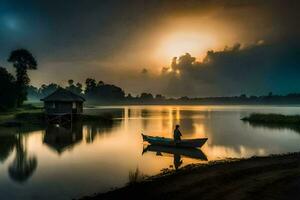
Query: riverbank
x=273, y=119
x=35, y=117
x=271, y=177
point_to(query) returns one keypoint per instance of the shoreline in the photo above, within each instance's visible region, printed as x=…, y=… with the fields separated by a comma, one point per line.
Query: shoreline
x=36, y=118
x=266, y=177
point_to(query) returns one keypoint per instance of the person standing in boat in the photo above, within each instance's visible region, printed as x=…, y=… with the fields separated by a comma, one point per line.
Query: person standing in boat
x=177, y=134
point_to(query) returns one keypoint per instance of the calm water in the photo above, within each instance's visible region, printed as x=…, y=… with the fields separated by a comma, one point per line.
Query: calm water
x=58, y=163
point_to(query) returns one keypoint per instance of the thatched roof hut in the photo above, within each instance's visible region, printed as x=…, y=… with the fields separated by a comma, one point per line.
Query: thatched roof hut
x=63, y=102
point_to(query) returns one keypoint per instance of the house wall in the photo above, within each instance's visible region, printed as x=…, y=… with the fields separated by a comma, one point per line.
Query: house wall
x=62, y=107
x=79, y=107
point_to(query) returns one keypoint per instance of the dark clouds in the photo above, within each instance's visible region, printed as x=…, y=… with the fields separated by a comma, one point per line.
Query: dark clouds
x=255, y=69
x=111, y=39
x=80, y=30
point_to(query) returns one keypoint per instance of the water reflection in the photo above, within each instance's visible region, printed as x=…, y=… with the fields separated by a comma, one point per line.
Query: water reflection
x=275, y=126
x=101, y=154
x=177, y=153
x=58, y=138
x=94, y=129
x=23, y=165
x=7, y=144
x=62, y=138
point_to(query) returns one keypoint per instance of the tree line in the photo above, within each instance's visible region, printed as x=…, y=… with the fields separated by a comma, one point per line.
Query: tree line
x=92, y=91
x=14, y=90
x=100, y=92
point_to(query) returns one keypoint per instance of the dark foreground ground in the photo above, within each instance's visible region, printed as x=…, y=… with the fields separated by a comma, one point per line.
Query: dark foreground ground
x=273, y=177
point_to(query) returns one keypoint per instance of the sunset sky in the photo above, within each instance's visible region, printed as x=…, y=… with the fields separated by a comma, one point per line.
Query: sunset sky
x=253, y=45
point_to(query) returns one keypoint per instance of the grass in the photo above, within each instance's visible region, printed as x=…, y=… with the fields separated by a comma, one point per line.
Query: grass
x=10, y=115
x=135, y=177
x=273, y=119
x=36, y=117
x=6, y=116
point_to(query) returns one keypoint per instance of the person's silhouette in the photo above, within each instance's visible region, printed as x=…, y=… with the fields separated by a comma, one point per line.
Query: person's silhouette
x=177, y=134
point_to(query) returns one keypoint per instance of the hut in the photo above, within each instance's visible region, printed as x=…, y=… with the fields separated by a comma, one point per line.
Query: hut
x=63, y=104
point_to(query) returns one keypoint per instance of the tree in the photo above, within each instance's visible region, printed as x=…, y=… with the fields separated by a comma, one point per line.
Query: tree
x=243, y=96
x=270, y=94
x=100, y=83
x=159, y=97
x=22, y=60
x=184, y=98
x=102, y=92
x=146, y=96
x=45, y=90
x=90, y=85
x=129, y=96
x=8, y=92
x=110, y=92
x=71, y=82
x=77, y=89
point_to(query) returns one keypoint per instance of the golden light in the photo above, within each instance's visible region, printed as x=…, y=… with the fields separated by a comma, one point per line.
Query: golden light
x=178, y=43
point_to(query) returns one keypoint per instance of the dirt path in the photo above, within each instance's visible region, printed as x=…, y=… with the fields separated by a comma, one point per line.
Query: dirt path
x=276, y=177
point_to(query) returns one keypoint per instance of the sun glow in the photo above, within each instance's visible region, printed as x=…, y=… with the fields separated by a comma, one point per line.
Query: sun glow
x=179, y=43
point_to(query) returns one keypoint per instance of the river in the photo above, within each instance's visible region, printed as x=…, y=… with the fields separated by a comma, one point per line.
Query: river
x=60, y=163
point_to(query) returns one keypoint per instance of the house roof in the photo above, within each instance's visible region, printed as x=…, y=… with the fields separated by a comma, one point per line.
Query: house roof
x=63, y=95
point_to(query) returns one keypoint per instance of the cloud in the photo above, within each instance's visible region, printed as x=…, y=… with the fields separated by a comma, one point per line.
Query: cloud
x=110, y=40
x=254, y=69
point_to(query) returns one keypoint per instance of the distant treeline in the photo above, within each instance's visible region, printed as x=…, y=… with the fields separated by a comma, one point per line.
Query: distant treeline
x=99, y=92
x=14, y=90
x=94, y=92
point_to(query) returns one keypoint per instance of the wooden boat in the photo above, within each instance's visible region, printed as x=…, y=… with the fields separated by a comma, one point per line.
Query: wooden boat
x=185, y=143
x=185, y=152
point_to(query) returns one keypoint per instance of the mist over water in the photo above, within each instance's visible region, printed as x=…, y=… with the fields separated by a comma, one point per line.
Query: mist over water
x=60, y=163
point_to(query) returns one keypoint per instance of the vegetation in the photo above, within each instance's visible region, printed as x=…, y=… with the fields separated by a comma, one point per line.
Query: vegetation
x=77, y=89
x=13, y=91
x=273, y=119
x=135, y=177
x=102, y=92
x=94, y=92
x=36, y=118
x=99, y=92
x=22, y=61
x=7, y=88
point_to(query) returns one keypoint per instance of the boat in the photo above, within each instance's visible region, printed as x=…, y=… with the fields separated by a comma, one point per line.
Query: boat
x=184, y=143
x=185, y=152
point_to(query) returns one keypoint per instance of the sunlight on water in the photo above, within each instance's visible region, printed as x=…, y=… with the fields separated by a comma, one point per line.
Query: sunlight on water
x=57, y=163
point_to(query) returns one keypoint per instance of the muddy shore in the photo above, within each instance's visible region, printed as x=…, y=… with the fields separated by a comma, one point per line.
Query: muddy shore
x=271, y=177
